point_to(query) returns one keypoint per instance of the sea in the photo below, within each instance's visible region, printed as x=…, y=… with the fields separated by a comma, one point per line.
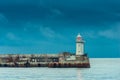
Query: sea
x=101, y=69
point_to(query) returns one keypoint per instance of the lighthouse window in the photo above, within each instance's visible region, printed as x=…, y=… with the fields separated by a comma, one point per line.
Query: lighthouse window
x=78, y=38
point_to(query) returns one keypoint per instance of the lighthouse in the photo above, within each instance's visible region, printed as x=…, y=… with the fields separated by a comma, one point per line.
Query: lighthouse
x=79, y=45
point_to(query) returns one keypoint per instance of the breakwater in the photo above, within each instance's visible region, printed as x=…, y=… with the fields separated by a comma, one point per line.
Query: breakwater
x=63, y=60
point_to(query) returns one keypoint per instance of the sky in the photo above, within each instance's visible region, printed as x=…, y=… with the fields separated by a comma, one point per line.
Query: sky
x=51, y=26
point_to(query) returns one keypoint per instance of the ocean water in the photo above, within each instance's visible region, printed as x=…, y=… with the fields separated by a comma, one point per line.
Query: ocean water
x=101, y=69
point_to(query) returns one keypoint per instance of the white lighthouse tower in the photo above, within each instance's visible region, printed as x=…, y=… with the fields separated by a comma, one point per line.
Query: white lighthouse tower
x=79, y=45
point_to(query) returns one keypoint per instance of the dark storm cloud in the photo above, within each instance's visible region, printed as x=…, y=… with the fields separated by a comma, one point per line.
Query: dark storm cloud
x=81, y=12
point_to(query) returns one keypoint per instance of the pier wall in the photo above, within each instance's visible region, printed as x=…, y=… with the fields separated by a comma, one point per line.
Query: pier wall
x=44, y=60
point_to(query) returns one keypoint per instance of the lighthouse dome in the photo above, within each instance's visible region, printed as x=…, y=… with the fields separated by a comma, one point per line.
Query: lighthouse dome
x=79, y=38
x=79, y=35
